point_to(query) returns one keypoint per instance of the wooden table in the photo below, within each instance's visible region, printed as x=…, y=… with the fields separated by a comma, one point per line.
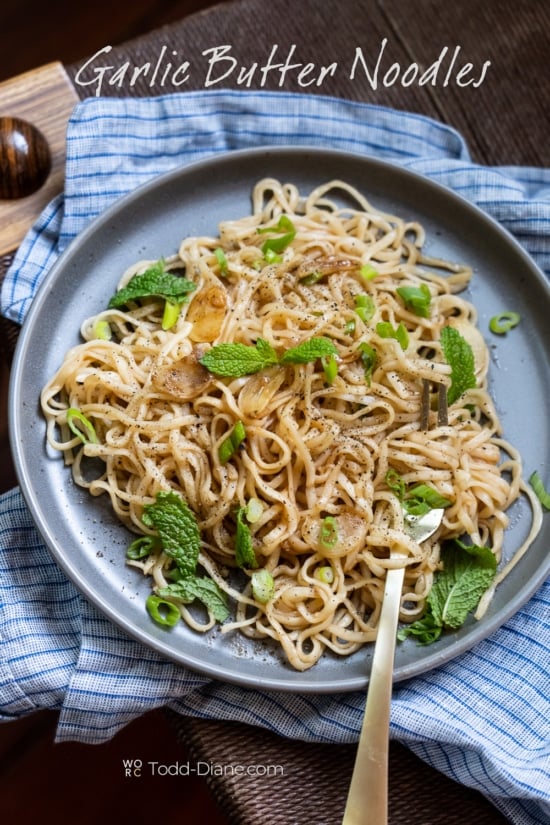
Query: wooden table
x=482, y=69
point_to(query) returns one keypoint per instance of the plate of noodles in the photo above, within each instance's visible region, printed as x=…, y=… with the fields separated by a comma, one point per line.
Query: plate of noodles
x=216, y=415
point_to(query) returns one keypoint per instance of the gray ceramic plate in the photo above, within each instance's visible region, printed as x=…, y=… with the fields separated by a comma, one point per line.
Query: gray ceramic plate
x=81, y=532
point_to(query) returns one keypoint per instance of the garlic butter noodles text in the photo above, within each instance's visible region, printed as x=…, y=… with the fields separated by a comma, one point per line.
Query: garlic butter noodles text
x=296, y=441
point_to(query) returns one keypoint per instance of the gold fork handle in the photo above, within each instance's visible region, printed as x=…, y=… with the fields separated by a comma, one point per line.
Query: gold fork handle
x=367, y=802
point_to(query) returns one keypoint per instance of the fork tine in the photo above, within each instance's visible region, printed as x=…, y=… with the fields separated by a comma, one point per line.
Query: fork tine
x=425, y=405
x=442, y=414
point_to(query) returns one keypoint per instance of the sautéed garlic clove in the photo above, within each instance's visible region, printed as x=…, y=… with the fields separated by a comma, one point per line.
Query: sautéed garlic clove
x=207, y=313
x=259, y=390
x=184, y=379
x=324, y=265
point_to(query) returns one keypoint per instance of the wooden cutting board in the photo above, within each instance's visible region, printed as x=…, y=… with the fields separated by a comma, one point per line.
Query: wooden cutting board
x=44, y=97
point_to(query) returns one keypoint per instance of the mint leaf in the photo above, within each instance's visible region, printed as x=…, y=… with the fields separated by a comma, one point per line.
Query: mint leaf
x=309, y=351
x=460, y=357
x=154, y=282
x=244, y=549
x=234, y=360
x=468, y=571
x=202, y=588
x=177, y=527
x=426, y=630
x=368, y=359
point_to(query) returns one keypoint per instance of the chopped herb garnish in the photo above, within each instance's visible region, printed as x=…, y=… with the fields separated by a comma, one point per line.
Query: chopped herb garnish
x=468, y=571
x=222, y=260
x=203, y=589
x=368, y=359
x=328, y=535
x=231, y=444
x=386, y=330
x=177, y=528
x=396, y=484
x=102, y=330
x=417, y=299
x=233, y=360
x=154, y=282
x=254, y=510
x=418, y=499
x=274, y=246
x=81, y=427
x=330, y=368
x=163, y=612
x=540, y=490
x=368, y=272
x=460, y=357
x=244, y=549
x=170, y=315
x=503, y=322
x=142, y=547
x=364, y=307
x=263, y=585
x=309, y=351
x=179, y=538
x=325, y=574
x=312, y=278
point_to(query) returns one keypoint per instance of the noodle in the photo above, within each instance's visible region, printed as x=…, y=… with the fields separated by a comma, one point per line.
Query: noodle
x=316, y=447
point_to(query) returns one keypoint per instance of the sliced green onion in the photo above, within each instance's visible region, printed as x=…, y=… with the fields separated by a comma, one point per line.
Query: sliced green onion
x=324, y=574
x=102, y=330
x=368, y=272
x=254, y=510
x=540, y=490
x=81, y=427
x=231, y=444
x=421, y=498
x=263, y=585
x=245, y=556
x=272, y=257
x=330, y=368
x=221, y=259
x=395, y=482
x=349, y=327
x=368, y=359
x=312, y=278
x=170, y=315
x=141, y=548
x=503, y=322
x=385, y=330
x=328, y=536
x=364, y=307
x=274, y=246
x=417, y=299
x=163, y=612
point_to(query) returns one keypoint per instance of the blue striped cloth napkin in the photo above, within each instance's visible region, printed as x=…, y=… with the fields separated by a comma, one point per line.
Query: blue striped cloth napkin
x=482, y=719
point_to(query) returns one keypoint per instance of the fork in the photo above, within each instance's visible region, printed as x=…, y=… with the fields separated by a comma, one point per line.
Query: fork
x=367, y=802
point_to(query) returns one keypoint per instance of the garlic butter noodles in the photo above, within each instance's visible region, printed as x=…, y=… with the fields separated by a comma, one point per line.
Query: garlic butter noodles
x=278, y=398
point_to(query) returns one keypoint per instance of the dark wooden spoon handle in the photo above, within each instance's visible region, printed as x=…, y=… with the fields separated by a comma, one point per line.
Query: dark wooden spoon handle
x=25, y=158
